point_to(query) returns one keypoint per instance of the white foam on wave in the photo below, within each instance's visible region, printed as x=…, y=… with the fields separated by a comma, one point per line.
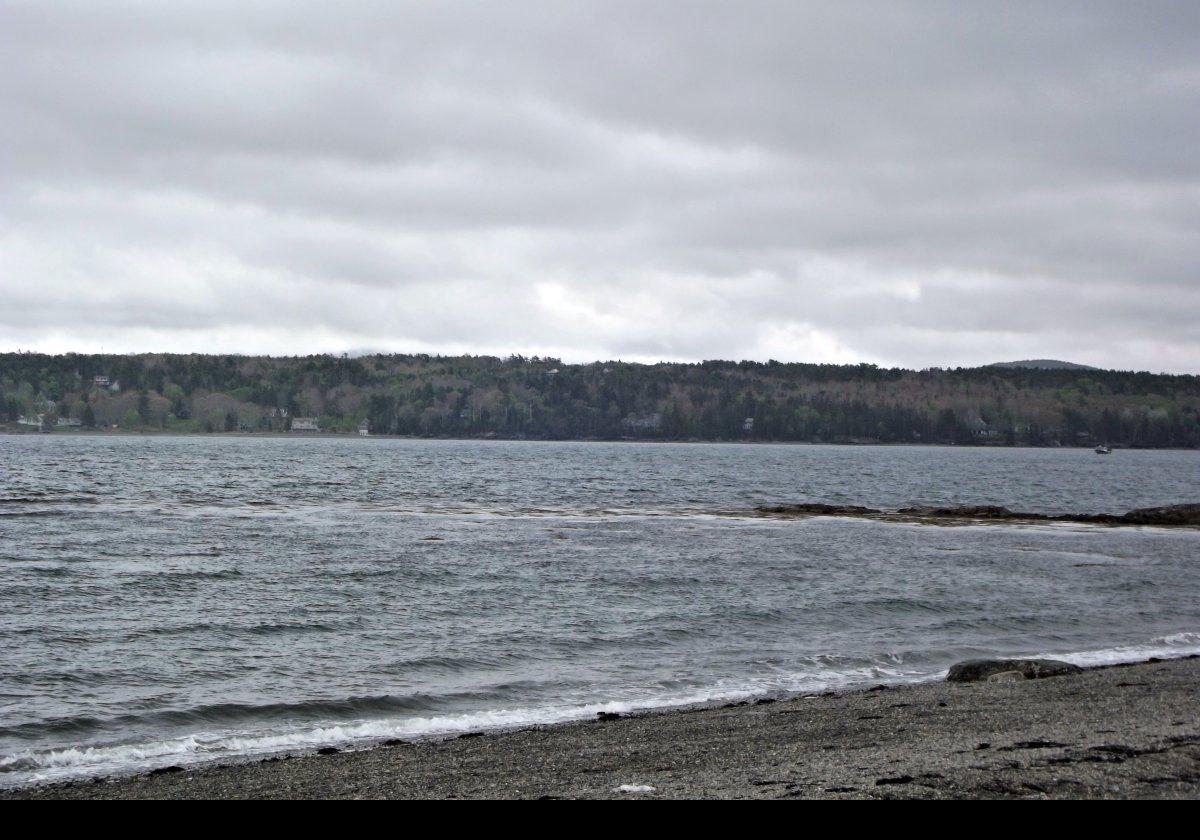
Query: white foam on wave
x=34, y=766
x=1170, y=646
x=40, y=766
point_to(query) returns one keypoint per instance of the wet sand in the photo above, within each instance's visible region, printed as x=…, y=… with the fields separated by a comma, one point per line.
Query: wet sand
x=1117, y=732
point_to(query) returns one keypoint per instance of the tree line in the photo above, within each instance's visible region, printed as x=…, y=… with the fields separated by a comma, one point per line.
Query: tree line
x=519, y=397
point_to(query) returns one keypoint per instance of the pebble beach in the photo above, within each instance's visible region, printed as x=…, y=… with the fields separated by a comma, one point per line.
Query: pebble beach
x=1118, y=732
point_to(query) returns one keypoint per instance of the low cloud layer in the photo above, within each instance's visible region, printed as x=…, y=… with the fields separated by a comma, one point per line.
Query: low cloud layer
x=913, y=184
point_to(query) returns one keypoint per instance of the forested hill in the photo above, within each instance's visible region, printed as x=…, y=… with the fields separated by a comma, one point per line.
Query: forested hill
x=1044, y=364
x=544, y=398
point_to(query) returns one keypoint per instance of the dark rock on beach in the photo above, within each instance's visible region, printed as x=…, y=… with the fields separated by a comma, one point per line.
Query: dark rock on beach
x=174, y=768
x=978, y=670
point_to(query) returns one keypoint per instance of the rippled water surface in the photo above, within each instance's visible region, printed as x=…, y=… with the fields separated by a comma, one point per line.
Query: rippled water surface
x=170, y=600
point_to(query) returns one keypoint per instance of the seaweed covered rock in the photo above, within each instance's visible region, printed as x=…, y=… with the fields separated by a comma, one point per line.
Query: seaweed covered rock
x=818, y=510
x=980, y=670
x=1183, y=515
x=1168, y=515
x=967, y=512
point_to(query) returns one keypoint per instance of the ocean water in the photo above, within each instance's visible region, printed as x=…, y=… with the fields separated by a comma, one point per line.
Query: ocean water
x=166, y=601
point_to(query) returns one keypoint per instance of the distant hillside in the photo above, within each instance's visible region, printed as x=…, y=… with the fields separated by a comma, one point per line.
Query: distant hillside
x=517, y=397
x=1043, y=364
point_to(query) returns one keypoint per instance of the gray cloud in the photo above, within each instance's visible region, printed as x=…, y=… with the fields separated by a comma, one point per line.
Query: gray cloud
x=916, y=184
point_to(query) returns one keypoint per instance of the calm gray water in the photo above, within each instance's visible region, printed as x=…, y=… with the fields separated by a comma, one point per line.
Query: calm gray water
x=172, y=600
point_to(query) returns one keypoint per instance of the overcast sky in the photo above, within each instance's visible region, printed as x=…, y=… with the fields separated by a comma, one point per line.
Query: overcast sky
x=932, y=184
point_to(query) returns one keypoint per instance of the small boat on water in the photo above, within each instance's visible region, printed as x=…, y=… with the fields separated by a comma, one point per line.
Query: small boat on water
x=1103, y=450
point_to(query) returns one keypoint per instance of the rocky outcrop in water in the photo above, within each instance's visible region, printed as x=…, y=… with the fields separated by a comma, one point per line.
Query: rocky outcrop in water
x=1187, y=515
x=819, y=510
x=981, y=670
x=1169, y=515
x=967, y=512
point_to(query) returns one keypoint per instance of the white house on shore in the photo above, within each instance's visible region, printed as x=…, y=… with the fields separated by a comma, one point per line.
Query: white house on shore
x=364, y=428
x=39, y=422
x=305, y=424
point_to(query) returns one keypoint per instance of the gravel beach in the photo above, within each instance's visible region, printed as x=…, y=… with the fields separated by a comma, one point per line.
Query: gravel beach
x=1130, y=731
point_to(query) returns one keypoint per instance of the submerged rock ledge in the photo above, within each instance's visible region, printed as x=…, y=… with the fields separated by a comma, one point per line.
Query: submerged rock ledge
x=1186, y=515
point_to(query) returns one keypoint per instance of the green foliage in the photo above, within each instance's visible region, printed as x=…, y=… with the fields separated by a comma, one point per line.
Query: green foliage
x=471, y=396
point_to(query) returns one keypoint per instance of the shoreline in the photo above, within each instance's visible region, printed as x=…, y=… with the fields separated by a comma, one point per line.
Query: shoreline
x=500, y=439
x=1128, y=730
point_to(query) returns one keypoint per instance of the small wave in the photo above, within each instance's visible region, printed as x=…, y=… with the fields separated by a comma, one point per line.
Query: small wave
x=264, y=629
x=618, y=642
x=50, y=571
x=882, y=606
x=34, y=766
x=199, y=553
x=175, y=581
x=401, y=571
x=1173, y=645
x=281, y=627
x=449, y=664
x=81, y=725
x=48, y=499
x=218, y=574
x=245, y=731
x=267, y=713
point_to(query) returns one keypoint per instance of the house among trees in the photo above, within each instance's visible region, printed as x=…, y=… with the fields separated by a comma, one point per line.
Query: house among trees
x=982, y=429
x=305, y=424
x=650, y=421
x=364, y=428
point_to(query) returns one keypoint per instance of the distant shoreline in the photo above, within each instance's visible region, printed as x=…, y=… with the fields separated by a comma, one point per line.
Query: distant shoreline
x=543, y=398
x=498, y=439
x=1118, y=731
